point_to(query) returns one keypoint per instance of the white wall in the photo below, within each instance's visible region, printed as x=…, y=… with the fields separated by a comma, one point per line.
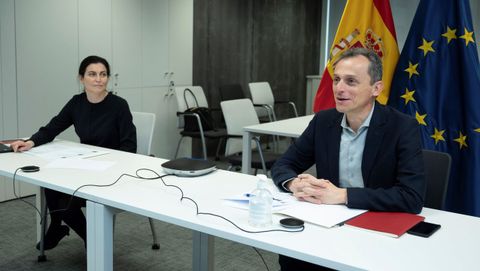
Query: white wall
x=147, y=42
x=8, y=102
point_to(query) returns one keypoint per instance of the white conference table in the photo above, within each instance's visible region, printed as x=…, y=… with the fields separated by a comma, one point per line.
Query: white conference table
x=453, y=247
x=293, y=127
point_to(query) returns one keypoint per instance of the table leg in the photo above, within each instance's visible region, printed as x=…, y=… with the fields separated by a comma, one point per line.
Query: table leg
x=40, y=204
x=202, y=251
x=247, y=152
x=99, y=236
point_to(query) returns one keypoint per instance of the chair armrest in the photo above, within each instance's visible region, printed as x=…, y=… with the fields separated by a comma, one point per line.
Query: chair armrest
x=197, y=117
x=270, y=111
x=186, y=114
x=260, y=105
x=292, y=104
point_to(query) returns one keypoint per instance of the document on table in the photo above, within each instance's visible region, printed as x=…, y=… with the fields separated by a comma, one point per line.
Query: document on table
x=77, y=163
x=63, y=155
x=320, y=214
x=286, y=204
x=280, y=201
x=59, y=150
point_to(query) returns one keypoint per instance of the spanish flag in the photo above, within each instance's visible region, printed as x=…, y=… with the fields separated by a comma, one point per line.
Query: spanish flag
x=365, y=23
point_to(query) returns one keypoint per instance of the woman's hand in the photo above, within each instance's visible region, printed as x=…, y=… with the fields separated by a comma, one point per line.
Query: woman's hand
x=20, y=145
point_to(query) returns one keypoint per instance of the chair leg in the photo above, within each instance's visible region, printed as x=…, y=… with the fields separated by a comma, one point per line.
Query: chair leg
x=155, y=244
x=259, y=149
x=44, y=220
x=204, y=146
x=178, y=146
x=217, y=153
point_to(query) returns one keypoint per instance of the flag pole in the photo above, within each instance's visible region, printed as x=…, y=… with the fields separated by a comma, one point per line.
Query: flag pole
x=327, y=32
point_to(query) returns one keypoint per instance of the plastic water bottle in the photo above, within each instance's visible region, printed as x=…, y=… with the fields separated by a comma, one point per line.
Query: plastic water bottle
x=260, y=204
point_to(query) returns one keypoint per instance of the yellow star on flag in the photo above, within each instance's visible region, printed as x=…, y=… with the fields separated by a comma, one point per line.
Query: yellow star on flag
x=477, y=130
x=450, y=34
x=462, y=140
x=412, y=69
x=468, y=36
x=408, y=96
x=426, y=47
x=438, y=135
x=420, y=118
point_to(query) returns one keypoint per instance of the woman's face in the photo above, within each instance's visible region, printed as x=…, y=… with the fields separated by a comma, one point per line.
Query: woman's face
x=95, y=79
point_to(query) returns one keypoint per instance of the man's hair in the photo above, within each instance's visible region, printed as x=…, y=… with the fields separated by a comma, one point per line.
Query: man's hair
x=375, y=69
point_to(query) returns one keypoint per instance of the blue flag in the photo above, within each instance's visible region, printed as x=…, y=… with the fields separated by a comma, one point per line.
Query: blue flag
x=437, y=80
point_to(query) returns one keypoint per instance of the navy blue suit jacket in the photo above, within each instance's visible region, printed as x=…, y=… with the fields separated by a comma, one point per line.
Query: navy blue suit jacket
x=392, y=163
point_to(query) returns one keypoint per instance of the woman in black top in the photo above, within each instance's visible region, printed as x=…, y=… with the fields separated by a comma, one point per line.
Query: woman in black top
x=100, y=118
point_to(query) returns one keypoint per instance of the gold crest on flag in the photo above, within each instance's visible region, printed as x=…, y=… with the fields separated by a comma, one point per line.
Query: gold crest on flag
x=372, y=41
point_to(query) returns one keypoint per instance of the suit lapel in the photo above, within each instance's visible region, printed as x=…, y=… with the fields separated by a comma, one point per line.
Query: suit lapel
x=333, y=146
x=374, y=140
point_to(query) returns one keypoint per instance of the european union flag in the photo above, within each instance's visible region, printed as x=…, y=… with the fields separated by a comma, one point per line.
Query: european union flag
x=437, y=80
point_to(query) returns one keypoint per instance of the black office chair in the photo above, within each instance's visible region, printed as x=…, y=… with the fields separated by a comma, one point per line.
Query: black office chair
x=263, y=99
x=193, y=96
x=437, y=173
x=231, y=92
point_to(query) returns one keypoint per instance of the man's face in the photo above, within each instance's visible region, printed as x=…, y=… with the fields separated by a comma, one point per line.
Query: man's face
x=352, y=90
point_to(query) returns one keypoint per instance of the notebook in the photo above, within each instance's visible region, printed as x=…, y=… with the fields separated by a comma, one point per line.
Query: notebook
x=393, y=224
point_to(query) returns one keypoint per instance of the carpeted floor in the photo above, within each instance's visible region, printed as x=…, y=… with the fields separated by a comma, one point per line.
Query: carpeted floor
x=132, y=243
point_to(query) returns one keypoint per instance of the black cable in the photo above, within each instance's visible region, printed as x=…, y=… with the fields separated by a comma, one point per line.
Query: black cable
x=136, y=176
x=18, y=197
x=182, y=197
x=197, y=209
x=261, y=257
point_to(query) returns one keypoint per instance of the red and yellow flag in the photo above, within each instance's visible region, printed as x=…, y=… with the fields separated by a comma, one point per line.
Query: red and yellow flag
x=365, y=23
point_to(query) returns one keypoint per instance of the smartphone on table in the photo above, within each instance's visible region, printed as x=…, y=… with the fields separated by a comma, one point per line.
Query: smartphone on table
x=424, y=229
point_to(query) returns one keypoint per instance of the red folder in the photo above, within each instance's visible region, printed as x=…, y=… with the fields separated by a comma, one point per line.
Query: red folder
x=393, y=224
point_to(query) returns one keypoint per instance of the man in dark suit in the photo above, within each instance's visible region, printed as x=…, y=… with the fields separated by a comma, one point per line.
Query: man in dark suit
x=367, y=156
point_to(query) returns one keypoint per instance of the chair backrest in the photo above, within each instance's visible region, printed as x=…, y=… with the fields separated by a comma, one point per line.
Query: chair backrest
x=190, y=100
x=145, y=124
x=231, y=92
x=437, y=172
x=237, y=114
x=261, y=93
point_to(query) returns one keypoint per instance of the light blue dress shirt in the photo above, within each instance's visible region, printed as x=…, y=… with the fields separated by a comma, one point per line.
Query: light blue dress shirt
x=351, y=153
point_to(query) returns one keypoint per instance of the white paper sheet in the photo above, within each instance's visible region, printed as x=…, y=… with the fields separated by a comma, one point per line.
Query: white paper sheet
x=241, y=201
x=77, y=163
x=58, y=150
x=320, y=214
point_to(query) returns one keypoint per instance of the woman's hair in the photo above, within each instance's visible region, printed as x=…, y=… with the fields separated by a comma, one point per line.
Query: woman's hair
x=92, y=60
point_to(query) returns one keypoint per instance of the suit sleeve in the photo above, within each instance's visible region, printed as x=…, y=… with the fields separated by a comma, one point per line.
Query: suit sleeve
x=298, y=157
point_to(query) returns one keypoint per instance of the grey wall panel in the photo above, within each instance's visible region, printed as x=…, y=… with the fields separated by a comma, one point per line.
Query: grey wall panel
x=8, y=80
x=222, y=44
x=286, y=46
x=239, y=41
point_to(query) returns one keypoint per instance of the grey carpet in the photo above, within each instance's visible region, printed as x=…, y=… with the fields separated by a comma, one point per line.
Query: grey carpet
x=132, y=243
